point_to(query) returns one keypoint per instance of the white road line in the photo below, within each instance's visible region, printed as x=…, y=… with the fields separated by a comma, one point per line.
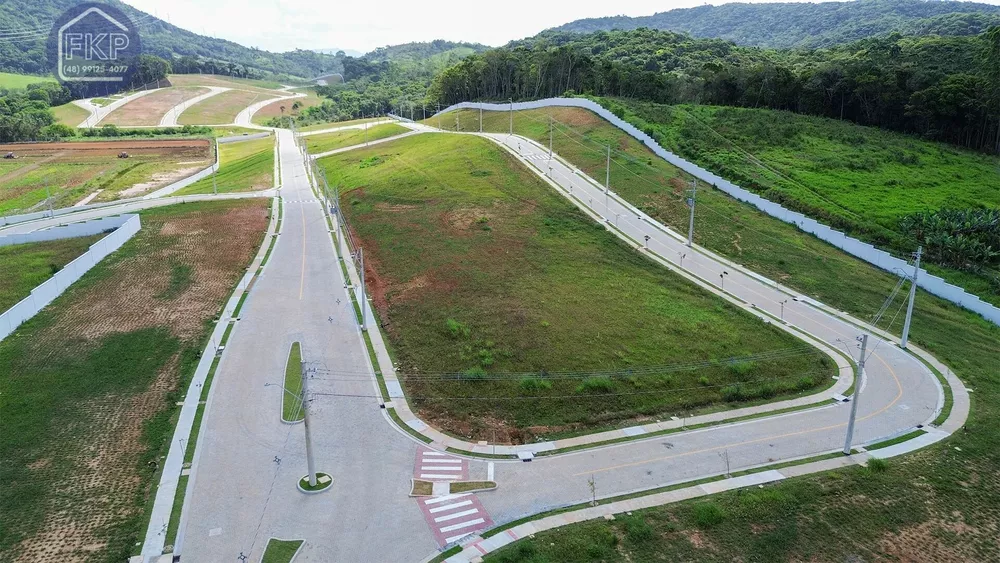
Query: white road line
x=433, y=454
x=442, y=468
x=436, y=500
x=456, y=515
x=461, y=525
x=450, y=506
x=440, y=461
x=456, y=538
x=436, y=476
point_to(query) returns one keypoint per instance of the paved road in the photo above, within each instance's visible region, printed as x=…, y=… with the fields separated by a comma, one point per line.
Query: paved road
x=239, y=496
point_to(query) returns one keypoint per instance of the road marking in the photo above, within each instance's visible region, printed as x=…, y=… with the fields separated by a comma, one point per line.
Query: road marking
x=433, y=454
x=440, y=467
x=451, y=460
x=438, y=476
x=461, y=525
x=446, y=498
x=456, y=515
x=442, y=508
x=458, y=537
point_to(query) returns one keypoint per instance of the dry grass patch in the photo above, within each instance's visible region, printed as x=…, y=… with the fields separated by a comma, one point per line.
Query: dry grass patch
x=149, y=109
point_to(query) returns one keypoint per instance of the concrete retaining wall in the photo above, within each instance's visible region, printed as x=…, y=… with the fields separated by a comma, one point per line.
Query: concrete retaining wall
x=867, y=252
x=127, y=226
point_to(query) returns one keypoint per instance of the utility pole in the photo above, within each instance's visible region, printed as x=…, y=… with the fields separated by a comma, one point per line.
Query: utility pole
x=607, y=181
x=364, y=298
x=694, y=192
x=550, y=137
x=439, y=115
x=48, y=199
x=913, y=294
x=310, y=462
x=423, y=108
x=857, y=392
x=511, y=116
x=480, y=120
x=458, y=127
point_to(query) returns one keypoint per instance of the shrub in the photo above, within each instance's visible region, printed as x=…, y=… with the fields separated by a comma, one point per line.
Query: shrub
x=742, y=368
x=474, y=374
x=600, y=384
x=534, y=384
x=708, y=514
x=877, y=465
x=733, y=393
x=704, y=381
x=636, y=529
x=456, y=328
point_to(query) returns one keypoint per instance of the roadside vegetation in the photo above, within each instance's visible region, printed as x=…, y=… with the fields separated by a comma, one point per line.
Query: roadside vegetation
x=511, y=311
x=90, y=383
x=244, y=166
x=340, y=139
x=332, y=124
x=272, y=116
x=280, y=551
x=936, y=504
x=291, y=401
x=26, y=266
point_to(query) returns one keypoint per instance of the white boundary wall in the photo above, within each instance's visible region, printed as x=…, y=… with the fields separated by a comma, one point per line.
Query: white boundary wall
x=125, y=226
x=864, y=251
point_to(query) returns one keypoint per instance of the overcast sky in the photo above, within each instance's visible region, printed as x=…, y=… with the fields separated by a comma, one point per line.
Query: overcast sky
x=282, y=25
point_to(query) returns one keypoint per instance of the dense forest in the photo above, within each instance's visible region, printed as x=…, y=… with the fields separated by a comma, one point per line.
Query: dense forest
x=941, y=88
x=786, y=25
x=27, y=24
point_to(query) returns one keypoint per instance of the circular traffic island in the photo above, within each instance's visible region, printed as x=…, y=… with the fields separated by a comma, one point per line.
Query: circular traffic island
x=323, y=482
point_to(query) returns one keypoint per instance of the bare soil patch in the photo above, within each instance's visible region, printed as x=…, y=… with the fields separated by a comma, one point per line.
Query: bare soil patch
x=176, y=147
x=149, y=109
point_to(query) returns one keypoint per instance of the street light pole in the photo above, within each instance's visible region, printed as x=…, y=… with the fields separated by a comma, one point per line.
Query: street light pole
x=913, y=294
x=310, y=462
x=857, y=392
x=511, y=116
x=480, y=120
x=364, y=299
x=694, y=193
x=783, y=309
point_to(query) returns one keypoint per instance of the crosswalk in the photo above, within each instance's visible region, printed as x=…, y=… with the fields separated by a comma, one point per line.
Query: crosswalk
x=437, y=466
x=301, y=200
x=452, y=517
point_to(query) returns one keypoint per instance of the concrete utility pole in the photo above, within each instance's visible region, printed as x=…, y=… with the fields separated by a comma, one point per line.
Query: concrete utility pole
x=48, y=200
x=364, y=297
x=439, y=115
x=694, y=192
x=423, y=108
x=310, y=462
x=458, y=126
x=607, y=182
x=550, y=137
x=913, y=294
x=480, y=120
x=511, y=116
x=857, y=392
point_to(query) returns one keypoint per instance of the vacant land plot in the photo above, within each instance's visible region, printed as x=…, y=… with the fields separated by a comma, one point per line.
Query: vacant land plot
x=70, y=172
x=332, y=124
x=149, y=109
x=25, y=266
x=340, y=139
x=510, y=310
x=70, y=114
x=935, y=505
x=90, y=383
x=17, y=81
x=263, y=86
x=292, y=106
x=221, y=108
x=244, y=166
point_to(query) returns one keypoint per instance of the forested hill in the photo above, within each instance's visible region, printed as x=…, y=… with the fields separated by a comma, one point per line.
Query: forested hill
x=26, y=24
x=809, y=25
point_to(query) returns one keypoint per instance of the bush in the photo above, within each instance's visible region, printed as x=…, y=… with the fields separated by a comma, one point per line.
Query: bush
x=704, y=381
x=733, y=393
x=877, y=465
x=456, y=328
x=742, y=368
x=56, y=131
x=474, y=374
x=600, y=384
x=534, y=384
x=708, y=514
x=637, y=530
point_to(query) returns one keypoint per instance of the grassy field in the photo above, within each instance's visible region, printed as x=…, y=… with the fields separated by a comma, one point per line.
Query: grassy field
x=280, y=551
x=271, y=111
x=18, y=81
x=858, y=179
x=70, y=178
x=244, y=166
x=934, y=505
x=90, y=383
x=221, y=108
x=149, y=109
x=340, y=139
x=70, y=114
x=332, y=124
x=264, y=86
x=510, y=310
x=25, y=266
x=291, y=405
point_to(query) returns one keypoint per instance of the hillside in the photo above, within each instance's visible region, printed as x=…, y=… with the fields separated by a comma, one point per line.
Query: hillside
x=27, y=23
x=808, y=25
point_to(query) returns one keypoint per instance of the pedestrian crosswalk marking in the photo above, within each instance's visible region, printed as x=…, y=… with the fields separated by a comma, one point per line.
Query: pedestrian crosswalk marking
x=456, y=515
x=461, y=525
x=449, y=506
x=445, y=498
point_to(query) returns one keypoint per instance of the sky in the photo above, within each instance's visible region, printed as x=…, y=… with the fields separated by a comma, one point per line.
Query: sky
x=283, y=25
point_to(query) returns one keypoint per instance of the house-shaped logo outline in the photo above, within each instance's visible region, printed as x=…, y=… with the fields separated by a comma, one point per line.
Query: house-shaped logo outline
x=59, y=38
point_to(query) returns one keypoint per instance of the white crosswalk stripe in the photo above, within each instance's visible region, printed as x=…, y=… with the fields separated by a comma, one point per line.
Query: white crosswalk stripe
x=450, y=506
x=445, y=498
x=456, y=515
x=461, y=525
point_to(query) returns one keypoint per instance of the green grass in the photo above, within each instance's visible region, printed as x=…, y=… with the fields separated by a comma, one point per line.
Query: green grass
x=485, y=276
x=466, y=486
x=26, y=266
x=861, y=180
x=291, y=404
x=70, y=114
x=928, y=488
x=244, y=166
x=89, y=390
x=280, y=551
x=332, y=124
x=340, y=139
x=897, y=440
x=221, y=108
x=18, y=81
